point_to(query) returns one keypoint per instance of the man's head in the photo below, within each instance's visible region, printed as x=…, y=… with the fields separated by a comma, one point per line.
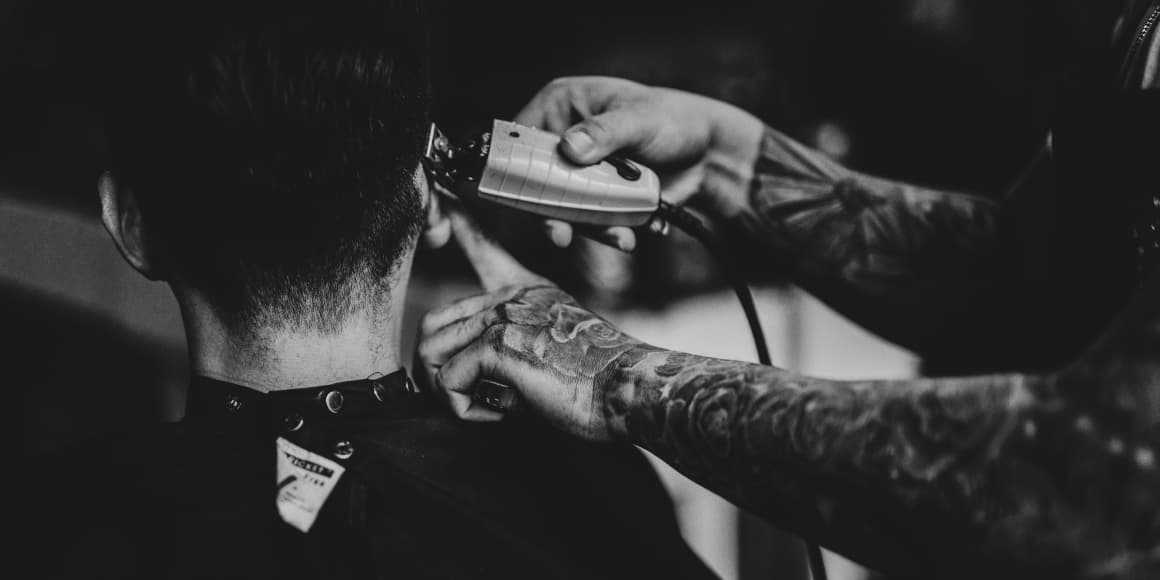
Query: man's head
x=266, y=154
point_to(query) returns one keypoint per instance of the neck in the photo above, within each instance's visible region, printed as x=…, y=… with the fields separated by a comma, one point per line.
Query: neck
x=271, y=358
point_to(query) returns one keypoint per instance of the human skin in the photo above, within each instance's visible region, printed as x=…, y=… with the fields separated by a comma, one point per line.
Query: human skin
x=1048, y=474
x=1008, y=475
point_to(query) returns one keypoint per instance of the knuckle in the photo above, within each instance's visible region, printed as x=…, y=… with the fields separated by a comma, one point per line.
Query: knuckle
x=427, y=324
x=440, y=380
x=426, y=352
x=632, y=86
x=493, y=335
x=599, y=128
x=498, y=314
x=561, y=82
x=577, y=95
x=511, y=291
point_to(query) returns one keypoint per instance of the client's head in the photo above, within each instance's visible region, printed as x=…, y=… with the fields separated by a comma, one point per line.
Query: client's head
x=266, y=155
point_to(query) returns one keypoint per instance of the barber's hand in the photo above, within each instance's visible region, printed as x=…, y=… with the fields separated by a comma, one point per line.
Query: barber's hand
x=702, y=149
x=523, y=332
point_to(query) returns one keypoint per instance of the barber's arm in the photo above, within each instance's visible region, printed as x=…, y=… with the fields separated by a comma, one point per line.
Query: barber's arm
x=1051, y=475
x=904, y=261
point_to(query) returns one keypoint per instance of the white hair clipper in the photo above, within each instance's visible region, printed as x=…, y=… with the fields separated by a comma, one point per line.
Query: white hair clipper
x=521, y=167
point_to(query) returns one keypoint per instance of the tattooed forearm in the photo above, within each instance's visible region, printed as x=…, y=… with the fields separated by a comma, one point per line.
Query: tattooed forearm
x=894, y=257
x=548, y=340
x=1007, y=475
x=548, y=327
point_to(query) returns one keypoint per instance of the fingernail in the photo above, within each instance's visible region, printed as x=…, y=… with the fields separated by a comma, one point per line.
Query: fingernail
x=626, y=244
x=579, y=141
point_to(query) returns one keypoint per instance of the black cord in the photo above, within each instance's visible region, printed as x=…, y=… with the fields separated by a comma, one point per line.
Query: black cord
x=689, y=223
x=692, y=225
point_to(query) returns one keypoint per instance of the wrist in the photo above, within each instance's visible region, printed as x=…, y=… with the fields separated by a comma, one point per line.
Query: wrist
x=787, y=182
x=623, y=386
x=734, y=147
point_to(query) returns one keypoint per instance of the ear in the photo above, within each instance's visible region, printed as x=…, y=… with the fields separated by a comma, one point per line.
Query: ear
x=437, y=230
x=122, y=218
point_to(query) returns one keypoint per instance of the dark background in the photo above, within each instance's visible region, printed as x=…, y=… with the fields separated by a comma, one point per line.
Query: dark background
x=941, y=91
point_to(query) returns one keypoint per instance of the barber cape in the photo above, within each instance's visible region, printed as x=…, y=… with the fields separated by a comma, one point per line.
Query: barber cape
x=376, y=479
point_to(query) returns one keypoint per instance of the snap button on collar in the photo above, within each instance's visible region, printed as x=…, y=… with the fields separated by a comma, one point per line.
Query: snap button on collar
x=334, y=401
x=292, y=422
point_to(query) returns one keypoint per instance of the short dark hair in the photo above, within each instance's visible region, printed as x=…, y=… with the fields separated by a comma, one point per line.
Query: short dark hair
x=272, y=147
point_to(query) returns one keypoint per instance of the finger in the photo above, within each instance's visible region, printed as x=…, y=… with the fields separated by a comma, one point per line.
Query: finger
x=534, y=114
x=619, y=237
x=599, y=93
x=470, y=396
x=435, y=320
x=496, y=396
x=459, y=402
x=493, y=265
x=438, y=347
x=582, y=104
x=598, y=137
x=481, y=414
x=555, y=108
x=467, y=409
x=559, y=114
x=560, y=233
x=463, y=371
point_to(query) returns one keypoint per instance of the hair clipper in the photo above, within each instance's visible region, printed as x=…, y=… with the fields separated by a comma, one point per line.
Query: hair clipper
x=522, y=168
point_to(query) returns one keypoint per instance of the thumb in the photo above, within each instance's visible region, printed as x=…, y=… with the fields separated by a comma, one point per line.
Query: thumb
x=493, y=265
x=598, y=137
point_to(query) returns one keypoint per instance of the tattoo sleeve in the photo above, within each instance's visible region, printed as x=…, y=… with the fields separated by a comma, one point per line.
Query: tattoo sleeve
x=1050, y=476
x=901, y=260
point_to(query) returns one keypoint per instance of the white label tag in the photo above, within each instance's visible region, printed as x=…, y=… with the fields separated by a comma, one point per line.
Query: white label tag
x=305, y=480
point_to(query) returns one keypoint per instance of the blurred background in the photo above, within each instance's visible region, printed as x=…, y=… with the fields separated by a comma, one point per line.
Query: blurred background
x=948, y=93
